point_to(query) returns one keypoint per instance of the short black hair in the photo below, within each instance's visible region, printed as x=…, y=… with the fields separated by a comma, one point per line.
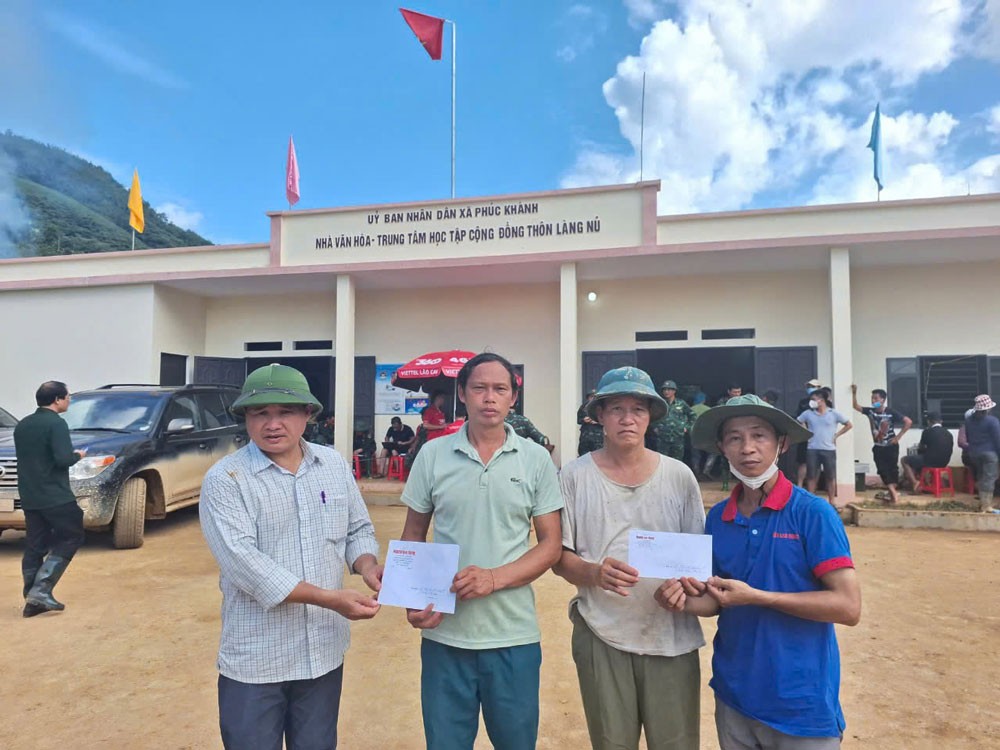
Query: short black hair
x=396, y=419
x=932, y=417
x=734, y=386
x=49, y=392
x=880, y=393
x=482, y=359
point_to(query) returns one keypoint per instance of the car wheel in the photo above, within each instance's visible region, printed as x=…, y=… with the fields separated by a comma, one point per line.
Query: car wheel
x=130, y=515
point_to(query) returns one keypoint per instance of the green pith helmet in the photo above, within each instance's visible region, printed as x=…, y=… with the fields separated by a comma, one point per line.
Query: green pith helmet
x=275, y=384
x=628, y=381
x=705, y=433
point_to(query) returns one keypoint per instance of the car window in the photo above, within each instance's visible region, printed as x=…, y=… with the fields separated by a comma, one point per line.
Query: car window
x=229, y=398
x=132, y=412
x=6, y=420
x=183, y=407
x=214, y=414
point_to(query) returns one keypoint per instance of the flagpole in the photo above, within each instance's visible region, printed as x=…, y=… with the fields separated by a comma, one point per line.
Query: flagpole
x=642, y=124
x=452, y=107
x=133, y=238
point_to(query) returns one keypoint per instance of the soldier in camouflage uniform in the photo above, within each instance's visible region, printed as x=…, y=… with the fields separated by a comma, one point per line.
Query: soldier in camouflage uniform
x=591, y=433
x=524, y=427
x=669, y=432
x=320, y=432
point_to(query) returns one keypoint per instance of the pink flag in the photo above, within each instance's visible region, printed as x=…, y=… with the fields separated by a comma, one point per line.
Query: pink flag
x=292, y=175
x=429, y=30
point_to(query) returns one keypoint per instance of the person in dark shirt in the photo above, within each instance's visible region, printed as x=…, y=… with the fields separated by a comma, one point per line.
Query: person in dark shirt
x=933, y=451
x=398, y=439
x=53, y=520
x=885, y=448
x=982, y=430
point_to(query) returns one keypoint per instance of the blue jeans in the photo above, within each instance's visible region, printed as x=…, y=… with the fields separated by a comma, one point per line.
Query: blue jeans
x=455, y=682
x=302, y=712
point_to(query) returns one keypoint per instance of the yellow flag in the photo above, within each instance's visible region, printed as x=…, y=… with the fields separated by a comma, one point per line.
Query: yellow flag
x=135, y=219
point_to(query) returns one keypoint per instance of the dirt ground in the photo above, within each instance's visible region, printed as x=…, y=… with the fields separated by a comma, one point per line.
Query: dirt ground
x=131, y=662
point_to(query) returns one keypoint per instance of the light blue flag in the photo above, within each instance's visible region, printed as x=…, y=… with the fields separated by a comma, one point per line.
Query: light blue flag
x=875, y=144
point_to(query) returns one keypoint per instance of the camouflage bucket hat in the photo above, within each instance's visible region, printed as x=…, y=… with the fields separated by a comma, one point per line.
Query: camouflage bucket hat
x=705, y=433
x=628, y=381
x=275, y=384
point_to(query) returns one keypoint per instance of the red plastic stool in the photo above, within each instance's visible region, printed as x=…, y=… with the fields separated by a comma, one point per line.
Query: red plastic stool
x=357, y=467
x=397, y=468
x=970, y=482
x=931, y=481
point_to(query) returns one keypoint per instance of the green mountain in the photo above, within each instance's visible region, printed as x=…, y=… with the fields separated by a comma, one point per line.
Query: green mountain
x=75, y=206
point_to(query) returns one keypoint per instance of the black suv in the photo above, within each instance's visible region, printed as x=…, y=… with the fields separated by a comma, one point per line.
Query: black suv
x=148, y=448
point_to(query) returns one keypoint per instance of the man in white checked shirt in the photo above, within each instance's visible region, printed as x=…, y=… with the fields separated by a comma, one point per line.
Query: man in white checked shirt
x=282, y=517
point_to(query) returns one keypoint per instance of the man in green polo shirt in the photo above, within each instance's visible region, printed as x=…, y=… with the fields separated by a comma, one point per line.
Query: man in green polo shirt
x=53, y=520
x=484, y=487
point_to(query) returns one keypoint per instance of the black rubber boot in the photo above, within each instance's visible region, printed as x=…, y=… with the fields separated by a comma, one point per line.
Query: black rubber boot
x=30, y=610
x=48, y=576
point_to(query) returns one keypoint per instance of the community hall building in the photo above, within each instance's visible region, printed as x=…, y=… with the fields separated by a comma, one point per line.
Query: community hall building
x=566, y=284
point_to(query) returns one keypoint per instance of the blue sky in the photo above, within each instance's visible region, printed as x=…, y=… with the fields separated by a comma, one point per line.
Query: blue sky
x=748, y=104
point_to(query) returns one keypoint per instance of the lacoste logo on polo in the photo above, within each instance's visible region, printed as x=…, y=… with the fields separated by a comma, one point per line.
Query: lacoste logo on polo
x=783, y=535
x=515, y=480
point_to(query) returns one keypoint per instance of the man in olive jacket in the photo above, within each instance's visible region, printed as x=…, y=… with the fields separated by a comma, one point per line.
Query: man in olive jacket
x=53, y=520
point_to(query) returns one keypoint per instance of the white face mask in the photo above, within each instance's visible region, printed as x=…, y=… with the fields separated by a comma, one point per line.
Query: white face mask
x=755, y=483
x=814, y=404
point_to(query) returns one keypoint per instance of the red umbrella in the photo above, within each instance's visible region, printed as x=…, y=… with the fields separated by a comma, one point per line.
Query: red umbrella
x=431, y=371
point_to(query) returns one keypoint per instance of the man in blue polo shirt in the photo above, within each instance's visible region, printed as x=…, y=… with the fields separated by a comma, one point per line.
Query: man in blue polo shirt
x=783, y=577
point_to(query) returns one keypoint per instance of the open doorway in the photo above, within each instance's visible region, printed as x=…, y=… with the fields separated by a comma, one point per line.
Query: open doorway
x=317, y=370
x=709, y=369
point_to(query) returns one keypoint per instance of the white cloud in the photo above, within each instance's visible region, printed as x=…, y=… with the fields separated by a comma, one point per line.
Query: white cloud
x=583, y=24
x=986, y=35
x=993, y=120
x=642, y=12
x=183, y=217
x=746, y=96
x=100, y=43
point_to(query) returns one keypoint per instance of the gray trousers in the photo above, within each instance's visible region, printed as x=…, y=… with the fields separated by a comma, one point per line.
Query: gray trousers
x=740, y=732
x=986, y=475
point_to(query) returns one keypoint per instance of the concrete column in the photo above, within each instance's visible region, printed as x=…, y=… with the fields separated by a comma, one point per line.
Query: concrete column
x=343, y=436
x=841, y=357
x=569, y=362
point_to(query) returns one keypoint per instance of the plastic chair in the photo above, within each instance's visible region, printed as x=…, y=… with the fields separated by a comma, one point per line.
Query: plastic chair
x=970, y=482
x=931, y=480
x=357, y=467
x=397, y=468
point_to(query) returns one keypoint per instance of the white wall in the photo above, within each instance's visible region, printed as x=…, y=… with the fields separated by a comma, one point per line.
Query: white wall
x=785, y=309
x=520, y=323
x=232, y=321
x=178, y=324
x=83, y=337
x=911, y=311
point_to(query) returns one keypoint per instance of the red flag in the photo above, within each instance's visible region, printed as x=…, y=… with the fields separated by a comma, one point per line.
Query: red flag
x=292, y=175
x=429, y=31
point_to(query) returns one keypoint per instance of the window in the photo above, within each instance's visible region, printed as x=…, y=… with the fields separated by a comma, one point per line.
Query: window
x=950, y=384
x=903, y=387
x=946, y=384
x=213, y=412
x=313, y=345
x=262, y=346
x=182, y=407
x=661, y=335
x=710, y=334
